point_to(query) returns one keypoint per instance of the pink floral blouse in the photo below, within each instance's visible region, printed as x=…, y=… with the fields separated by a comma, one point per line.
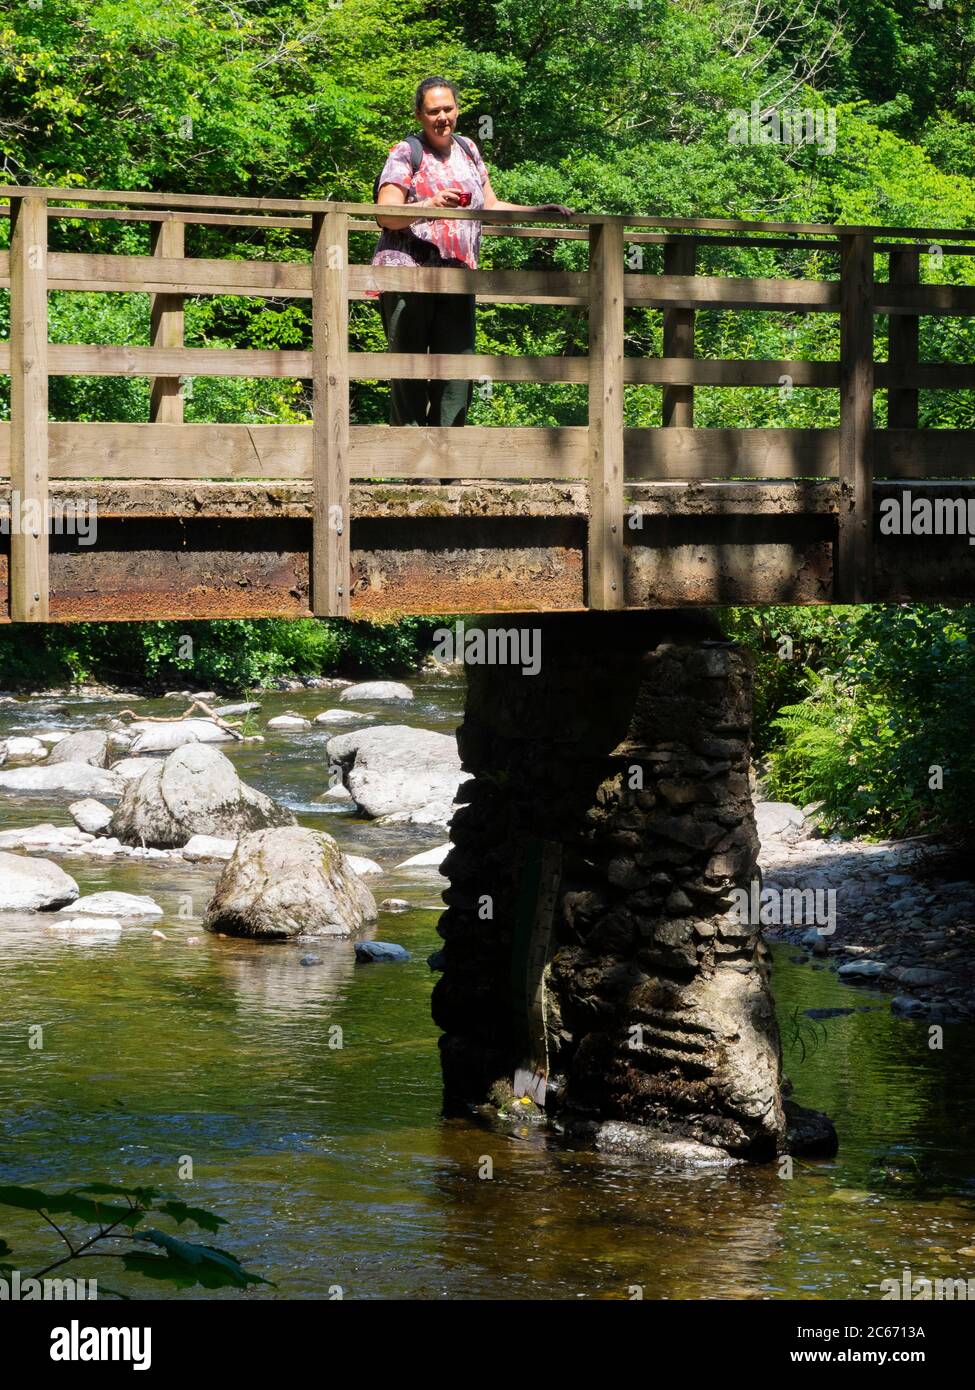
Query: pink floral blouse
x=440, y=241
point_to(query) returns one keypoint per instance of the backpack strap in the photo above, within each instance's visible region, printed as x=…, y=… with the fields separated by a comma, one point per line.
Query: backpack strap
x=468, y=147
x=416, y=157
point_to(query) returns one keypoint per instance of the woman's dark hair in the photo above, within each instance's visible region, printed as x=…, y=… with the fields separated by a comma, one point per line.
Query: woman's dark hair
x=427, y=85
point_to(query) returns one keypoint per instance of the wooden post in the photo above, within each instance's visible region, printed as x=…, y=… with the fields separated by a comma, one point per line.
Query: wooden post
x=902, y=342
x=28, y=411
x=166, y=399
x=678, y=401
x=854, y=557
x=605, y=572
x=330, y=561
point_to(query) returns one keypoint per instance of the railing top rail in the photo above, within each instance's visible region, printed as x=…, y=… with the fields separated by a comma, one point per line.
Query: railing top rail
x=219, y=203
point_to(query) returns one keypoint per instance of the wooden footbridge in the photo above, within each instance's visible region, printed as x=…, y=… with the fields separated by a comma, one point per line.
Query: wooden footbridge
x=341, y=518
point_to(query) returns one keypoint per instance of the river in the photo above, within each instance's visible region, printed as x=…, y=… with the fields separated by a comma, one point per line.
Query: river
x=333, y=1166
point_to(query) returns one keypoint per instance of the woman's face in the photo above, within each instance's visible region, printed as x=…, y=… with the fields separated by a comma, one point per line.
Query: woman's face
x=438, y=116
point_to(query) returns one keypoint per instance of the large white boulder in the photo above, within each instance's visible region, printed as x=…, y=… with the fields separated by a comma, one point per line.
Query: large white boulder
x=289, y=882
x=93, y=746
x=292, y=723
x=396, y=773
x=90, y=815
x=25, y=748
x=163, y=738
x=80, y=779
x=377, y=691
x=33, y=885
x=196, y=791
x=337, y=716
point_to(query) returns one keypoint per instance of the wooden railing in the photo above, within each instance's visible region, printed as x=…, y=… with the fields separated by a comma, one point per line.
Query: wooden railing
x=603, y=452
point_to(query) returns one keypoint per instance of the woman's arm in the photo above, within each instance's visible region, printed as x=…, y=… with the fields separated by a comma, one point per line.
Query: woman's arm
x=491, y=200
x=391, y=193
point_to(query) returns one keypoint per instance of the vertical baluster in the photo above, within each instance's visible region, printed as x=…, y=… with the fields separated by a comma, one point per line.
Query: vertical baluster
x=680, y=258
x=331, y=562
x=166, y=327
x=606, y=474
x=854, y=560
x=29, y=547
x=902, y=343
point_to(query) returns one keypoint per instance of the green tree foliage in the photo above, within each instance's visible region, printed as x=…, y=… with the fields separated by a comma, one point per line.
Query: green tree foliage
x=224, y=655
x=872, y=715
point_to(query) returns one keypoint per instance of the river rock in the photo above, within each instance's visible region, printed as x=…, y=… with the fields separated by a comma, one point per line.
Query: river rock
x=33, y=885
x=163, y=738
x=377, y=691
x=289, y=882
x=862, y=970
x=25, y=748
x=339, y=792
x=363, y=867
x=293, y=722
x=81, y=931
x=617, y=1136
x=92, y=746
x=202, y=848
x=919, y=976
x=50, y=737
x=90, y=815
x=394, y=905
x=131, y=769
x=906, y=1006
x=368, y=952
x=396, y=773
x=116, y=905
x=778, y=820
x=244, y=707
x=337, y=716
x=196, y=791
x=48, y=838
x=81, y=779
x=427, y=859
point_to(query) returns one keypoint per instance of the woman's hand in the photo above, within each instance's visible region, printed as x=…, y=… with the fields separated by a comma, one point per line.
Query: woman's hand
x=557, y=209
x=443, y=198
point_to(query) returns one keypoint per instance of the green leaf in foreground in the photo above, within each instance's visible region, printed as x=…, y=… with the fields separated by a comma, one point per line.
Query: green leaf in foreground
x=68, y=1203
x=185, y=1264
x=180, y=1212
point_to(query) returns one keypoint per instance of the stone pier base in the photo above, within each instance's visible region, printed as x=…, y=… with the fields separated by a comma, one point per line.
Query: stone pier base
x=593, y=945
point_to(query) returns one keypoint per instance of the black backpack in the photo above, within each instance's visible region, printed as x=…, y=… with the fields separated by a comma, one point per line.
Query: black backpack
x=416, y=155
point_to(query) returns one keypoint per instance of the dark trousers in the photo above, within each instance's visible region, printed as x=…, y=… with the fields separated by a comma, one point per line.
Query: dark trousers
x=428, y=323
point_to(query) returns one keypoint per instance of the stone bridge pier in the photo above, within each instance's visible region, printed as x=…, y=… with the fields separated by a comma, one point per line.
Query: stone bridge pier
x=594, y=957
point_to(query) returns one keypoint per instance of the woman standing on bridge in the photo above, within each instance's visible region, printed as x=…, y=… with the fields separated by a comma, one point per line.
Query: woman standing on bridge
x=437, y=170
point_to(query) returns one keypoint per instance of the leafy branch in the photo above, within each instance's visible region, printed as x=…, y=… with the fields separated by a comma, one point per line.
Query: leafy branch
x=183, y=1263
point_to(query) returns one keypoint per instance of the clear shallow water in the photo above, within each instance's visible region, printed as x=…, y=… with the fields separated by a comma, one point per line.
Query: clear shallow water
x=335, y=1167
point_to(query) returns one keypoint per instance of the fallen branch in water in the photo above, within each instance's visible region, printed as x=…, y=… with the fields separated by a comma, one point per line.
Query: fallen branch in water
x=231, y=728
